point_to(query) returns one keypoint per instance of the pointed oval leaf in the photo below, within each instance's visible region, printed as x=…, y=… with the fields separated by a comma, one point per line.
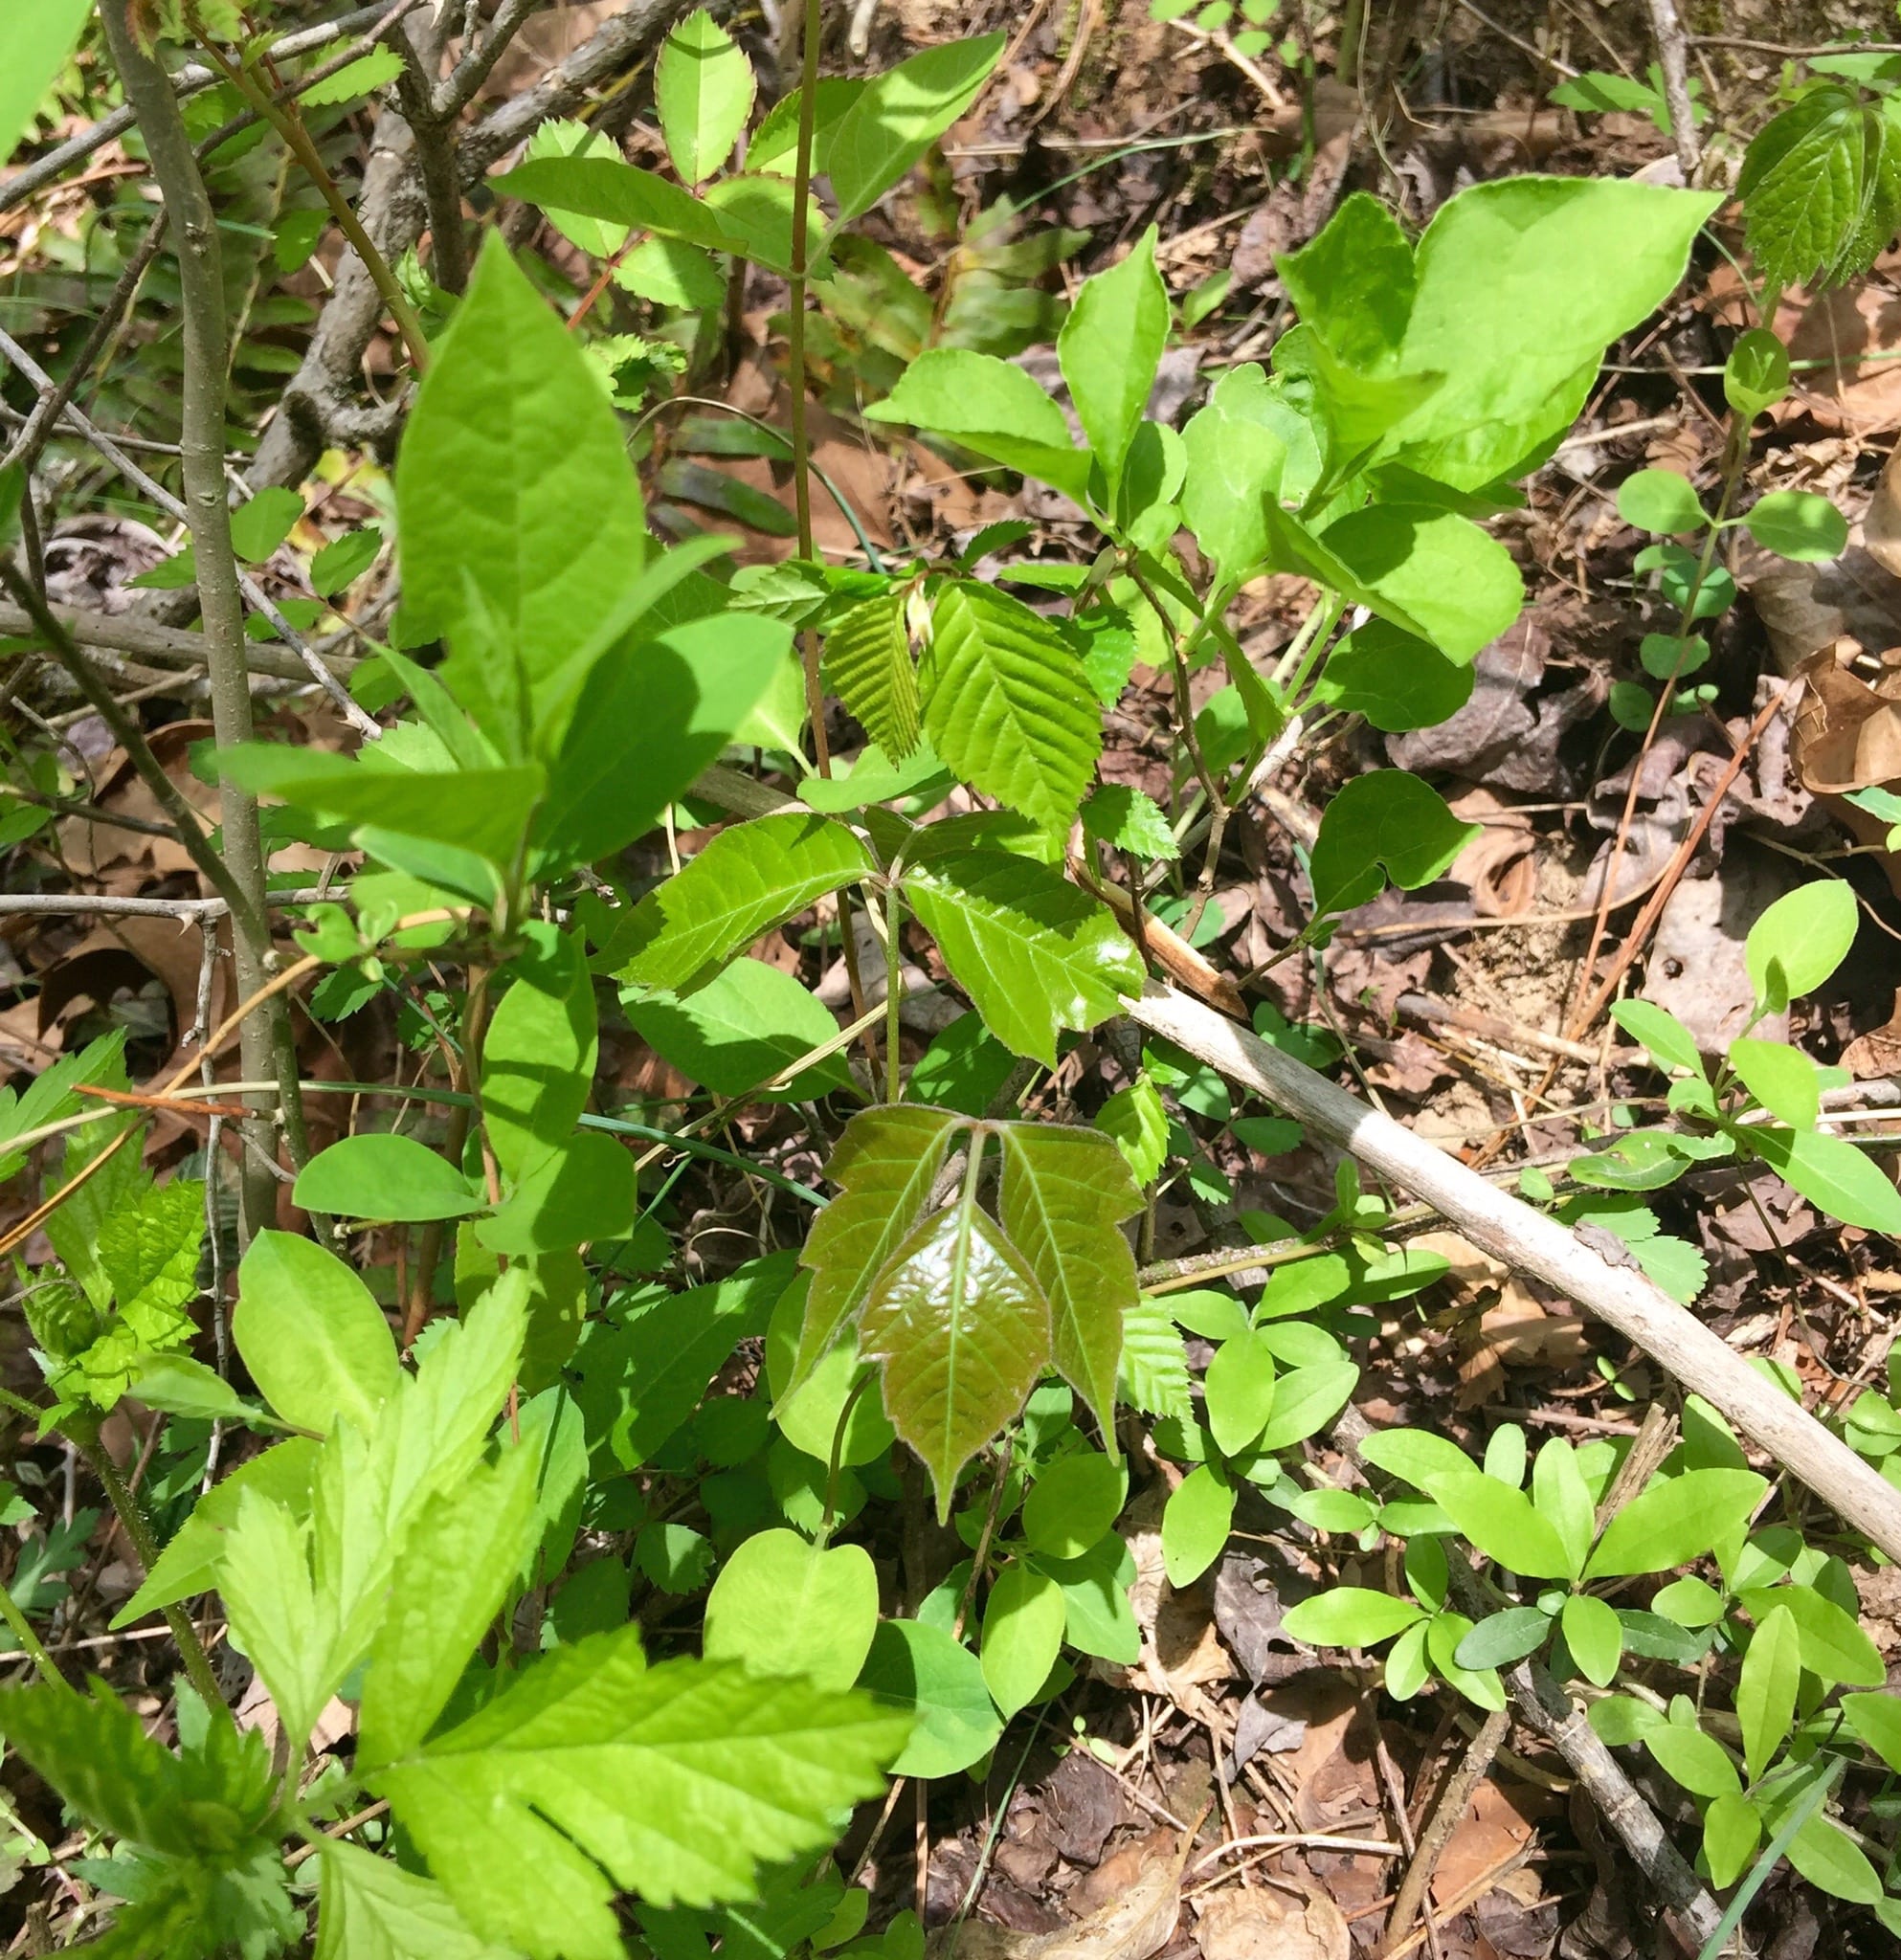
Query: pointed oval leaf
x=1073, y=1504
x=1196, y=1521
x=1502, y=1523
x=963, y=1329
x=1388, y=824
x=1351, y=1616
x=1832, y=1643
x=868, y=662
x=1035, y=954
x=1771, y=1672
x=1007, y=703
x=311, y=1334
x=1064, y=1192
x=1109, y=348
x=703, y=87
x=1501, y=1639
x=1595, y=1635
x=1022, y=1634
x=1239, y=1388
x=1797, y=942
x=939, y=1685
x=750, y=878
x=1674, y=1521
x=898, y=115
x=381, y=1175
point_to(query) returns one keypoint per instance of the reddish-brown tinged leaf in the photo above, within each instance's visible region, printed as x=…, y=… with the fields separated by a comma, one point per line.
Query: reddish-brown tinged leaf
x=963, y=1330
x=1064, y=1193
x=885, y=1165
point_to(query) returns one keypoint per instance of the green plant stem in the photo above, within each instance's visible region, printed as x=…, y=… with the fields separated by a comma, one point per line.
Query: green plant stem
x=801, y=445
x=21, y=1629
x=828, y=1523
x=461, y=1114
x=894, y=995
x=285, y=120
x=266, y=1045
x=1800, y=1812
x=131, y=1517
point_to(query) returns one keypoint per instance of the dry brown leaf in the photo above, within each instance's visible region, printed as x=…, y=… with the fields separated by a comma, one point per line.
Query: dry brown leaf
x=1878, y=1052
x=1848, y=730
x=1266, y=1925
x=1135, y=1924
x=1520, y=1332
x=1473, y=1272
x=1491, y=1830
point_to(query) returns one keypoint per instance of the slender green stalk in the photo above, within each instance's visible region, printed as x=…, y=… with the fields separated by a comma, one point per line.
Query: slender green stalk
x=894, y=995
x=30, y=1641
x=138, y=1531
x=284, y=118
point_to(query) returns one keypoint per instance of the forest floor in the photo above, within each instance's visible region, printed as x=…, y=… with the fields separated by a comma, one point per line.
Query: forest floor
x=1455, y=1003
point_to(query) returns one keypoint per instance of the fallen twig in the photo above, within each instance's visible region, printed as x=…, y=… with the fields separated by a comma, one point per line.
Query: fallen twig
x=1533, y=1244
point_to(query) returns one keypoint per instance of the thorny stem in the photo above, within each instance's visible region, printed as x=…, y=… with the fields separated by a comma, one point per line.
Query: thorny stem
x=267, y=1044
x=288, y=123
x=132, y=1521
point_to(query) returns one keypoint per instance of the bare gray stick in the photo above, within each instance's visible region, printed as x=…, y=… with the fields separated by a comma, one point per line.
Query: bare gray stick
x=1531, y=1243
x=1673, y=56
x=253, y=593
x=145, y=640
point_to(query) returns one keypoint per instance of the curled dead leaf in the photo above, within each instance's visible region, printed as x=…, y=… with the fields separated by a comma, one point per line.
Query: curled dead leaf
x=1135, y=1924
x=1266, y=1925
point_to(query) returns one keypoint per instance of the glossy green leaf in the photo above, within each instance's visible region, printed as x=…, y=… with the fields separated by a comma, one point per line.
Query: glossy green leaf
x=750, y=1023
x=1236, y=451
x=1064, y=1192
x=1670, y=1043
x=1109, y=348
x=1196, y=1521
x=1732, y=1830
x=1007, y=705
x=617, y=194
x=1798, y=525
x=1351, y=1616
x=1239, y=1388
x=578, y=1191
x=1022, y=1634
x=539, y=1052
x=962, y=1328
x=1877, y=1720
x=783, y=1606
x=1502, y=1638
x=1073, y=1504
x=1418, y=1456
x=1798, y=941
x=1397, y=680
x=595, y=1773
x=380, y=1176
x=898, y=115
x=1832, y=1643
x=1824, y=1854
x=885, y=1166
x=1035, y=954
x=992, y=406
x=511, y=438
x=1659, y=500
x=1595, y=1635
x=940, y=1687
x=1697, y=1761
x=703, y=87
x=868, y=662
x=1675, y=1521
x=311, y=1335
x=1831, y=1173
x=1305, y=1399
x=650, y=715
x=1563, y=1500
x=1388, y=824
x=1135, y=1118
x=1520, y=286
x=1502, y=1523
x=1771, y=1672
x=1431, y=571
x=748, y=880
x=1782, y=1079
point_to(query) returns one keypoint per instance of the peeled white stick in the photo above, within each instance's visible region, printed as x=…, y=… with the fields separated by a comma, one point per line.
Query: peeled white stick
x=1530, y=1242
